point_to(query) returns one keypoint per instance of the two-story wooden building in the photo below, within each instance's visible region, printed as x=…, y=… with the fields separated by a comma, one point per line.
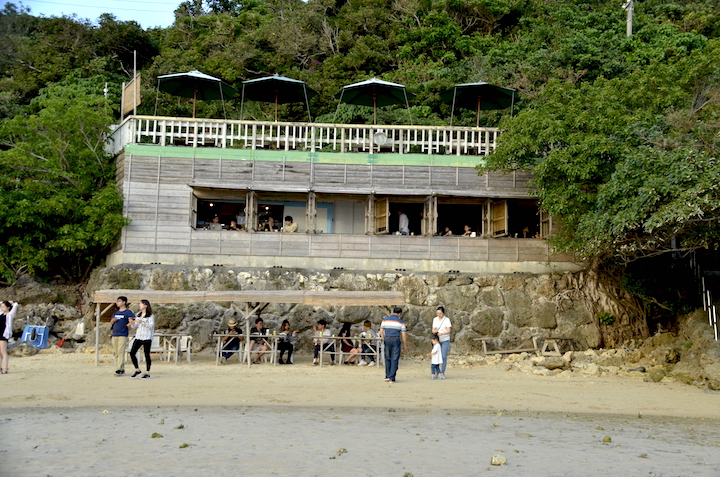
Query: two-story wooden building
x=344, y=185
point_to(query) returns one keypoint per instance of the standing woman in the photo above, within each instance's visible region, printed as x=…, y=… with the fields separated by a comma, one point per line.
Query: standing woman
x=144, y=322
x=7, y=313
x=441, y=326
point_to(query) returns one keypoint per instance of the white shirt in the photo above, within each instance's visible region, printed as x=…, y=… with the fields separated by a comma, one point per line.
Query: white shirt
x=443, y=326
x=436, y=357
x=404, y=223
x=145, y=327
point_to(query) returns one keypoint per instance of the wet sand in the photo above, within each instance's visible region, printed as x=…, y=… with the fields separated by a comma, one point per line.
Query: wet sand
x=61, y=415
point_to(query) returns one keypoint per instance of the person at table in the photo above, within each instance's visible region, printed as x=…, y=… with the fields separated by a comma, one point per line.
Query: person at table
x=393, y=331
x=403, y=223
x=290, y=226
x=352, y=354
x=369, y=347
x=144, y=324
x=257, y=344
x=231, y=343
x=285, y=342
x=215, y=225
x=446, y=233
x=234, y=226
x=319, y=331
x=468, y=231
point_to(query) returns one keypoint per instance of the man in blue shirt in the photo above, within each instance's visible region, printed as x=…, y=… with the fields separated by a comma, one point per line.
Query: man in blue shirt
x=119, y=324
x=392, y=331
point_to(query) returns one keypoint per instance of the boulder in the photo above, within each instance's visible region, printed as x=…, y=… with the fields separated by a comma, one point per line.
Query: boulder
x=490, y=296
x=27, y=291
x=518, y=305
x=487, y=321
x=543, y=315
x=461, y=297
x=550, y=362
x=21, y=348
x=512, y=282
x=414, y=289
x=438, y=280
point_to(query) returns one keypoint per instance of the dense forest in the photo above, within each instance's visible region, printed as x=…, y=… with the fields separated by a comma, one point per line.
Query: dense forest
x=621, y=132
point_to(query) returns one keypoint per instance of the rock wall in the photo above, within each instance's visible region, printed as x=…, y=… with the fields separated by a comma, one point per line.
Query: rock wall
x=486, y=305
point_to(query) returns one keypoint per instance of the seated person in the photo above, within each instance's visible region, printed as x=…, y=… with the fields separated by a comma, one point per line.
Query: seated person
x=230, y=343
x=285, y=342
x=233, y=226
x=241, y=220
x=215, y=225
x=468, y=231
x=446, y=233
x=319, y=331
x=352, y=354
x=289, y=227
x=369, y=347
x=257, y=344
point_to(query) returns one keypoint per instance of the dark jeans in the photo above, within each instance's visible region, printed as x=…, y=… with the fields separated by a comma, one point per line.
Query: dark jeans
x=368, y=352
x=435, y=369
x=146, y=344
x=231, y=347
x=285, y=346
x=330, y=349
x=392, y=357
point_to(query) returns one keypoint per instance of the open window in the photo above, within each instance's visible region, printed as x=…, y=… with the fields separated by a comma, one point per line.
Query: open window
x=499, y=218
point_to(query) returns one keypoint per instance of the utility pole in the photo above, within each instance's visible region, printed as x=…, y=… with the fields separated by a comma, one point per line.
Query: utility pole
x=629, y=6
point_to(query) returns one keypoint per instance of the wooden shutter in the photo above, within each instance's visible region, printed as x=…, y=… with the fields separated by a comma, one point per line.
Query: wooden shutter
x=545, y=224
x=382, y=216
x=499, y=218
x=429, y=221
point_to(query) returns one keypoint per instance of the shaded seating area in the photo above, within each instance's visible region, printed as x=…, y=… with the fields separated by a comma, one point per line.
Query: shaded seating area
x=253, y=302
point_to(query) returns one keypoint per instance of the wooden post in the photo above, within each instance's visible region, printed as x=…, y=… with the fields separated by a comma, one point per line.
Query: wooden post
x=97, y=334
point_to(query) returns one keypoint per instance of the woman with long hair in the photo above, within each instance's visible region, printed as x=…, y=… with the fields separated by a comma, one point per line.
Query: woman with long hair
x=285, y=342
x=347, y=346
x=144, y=323
x=7, y=313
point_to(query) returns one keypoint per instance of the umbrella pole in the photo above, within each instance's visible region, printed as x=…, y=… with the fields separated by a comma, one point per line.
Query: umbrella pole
x=375, y=109
x=307, y=103
x=194, y=101
x=276, y=105
x=452, y=110
x=477, y=121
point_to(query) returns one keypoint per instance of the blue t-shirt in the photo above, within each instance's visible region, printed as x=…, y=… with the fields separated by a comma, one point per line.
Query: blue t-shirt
x=120, y=328
x=393, y=326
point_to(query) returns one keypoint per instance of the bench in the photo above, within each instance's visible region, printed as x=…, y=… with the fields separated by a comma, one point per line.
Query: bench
x=556, y=344
x=523, y=347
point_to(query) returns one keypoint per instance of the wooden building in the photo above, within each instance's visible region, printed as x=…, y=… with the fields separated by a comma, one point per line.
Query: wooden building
x=345, y=187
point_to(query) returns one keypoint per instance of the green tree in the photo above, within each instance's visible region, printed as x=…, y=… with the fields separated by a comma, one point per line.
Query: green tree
x=58, y=201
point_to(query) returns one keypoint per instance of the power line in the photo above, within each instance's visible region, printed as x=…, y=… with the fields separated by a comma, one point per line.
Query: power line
x=106, y=8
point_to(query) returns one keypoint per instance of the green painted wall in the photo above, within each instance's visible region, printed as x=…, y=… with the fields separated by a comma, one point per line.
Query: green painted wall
x=304, y=156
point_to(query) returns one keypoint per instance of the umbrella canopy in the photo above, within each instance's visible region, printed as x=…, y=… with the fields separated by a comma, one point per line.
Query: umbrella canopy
x=374, y=92
x=479, y=96
x=277, y=89
x=195, y=85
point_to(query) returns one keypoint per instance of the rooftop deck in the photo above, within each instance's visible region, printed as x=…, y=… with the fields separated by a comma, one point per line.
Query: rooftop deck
x=310, y=137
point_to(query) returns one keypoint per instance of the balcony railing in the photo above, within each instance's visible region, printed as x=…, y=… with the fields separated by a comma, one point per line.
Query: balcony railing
x=310, y=137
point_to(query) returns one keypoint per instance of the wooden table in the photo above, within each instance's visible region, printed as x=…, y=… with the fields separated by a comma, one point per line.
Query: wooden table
x=556, y=343
x=526, y=349
x=166, y=342
x=271, y=340
x=219, y=348
x=338, y=339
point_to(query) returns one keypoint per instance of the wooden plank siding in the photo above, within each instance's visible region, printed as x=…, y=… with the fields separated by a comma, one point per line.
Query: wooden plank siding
x=158, y=195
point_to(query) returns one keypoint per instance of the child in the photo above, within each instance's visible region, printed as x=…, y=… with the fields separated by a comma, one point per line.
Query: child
x=369, y=346
x=436, y=359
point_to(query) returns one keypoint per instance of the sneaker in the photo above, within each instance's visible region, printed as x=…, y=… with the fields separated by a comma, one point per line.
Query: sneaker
x=362, y=363
x=119, y=372
x=315, y=363
x=223, y=360
x=136, y=374
x=145, y=376
x=387, y=380
x=372, y=363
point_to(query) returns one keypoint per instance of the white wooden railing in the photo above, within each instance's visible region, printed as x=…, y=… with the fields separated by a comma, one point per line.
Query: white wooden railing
x=311, y=137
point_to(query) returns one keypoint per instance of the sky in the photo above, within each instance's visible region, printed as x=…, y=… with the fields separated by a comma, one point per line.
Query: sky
x=148, y=14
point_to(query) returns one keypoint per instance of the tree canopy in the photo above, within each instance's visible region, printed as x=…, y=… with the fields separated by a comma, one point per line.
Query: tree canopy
x=621, y=133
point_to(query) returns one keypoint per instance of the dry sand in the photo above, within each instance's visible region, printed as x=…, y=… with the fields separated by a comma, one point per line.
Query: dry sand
x=295, y=420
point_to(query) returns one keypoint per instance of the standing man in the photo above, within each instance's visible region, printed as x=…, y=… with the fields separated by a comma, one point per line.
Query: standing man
x=392, y=330
x=403, y=223
x=119, y=323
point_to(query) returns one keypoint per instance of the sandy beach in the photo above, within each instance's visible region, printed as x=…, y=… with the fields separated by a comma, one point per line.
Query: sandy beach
x=62, y=415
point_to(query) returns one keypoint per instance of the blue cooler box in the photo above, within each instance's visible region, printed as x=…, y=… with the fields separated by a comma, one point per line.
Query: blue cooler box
x=36, y=335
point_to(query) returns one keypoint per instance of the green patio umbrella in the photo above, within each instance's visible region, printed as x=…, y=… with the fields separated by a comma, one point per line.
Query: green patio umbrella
x=196, y=85
x=479, y=96
x=375, y=92
x=277, y=89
